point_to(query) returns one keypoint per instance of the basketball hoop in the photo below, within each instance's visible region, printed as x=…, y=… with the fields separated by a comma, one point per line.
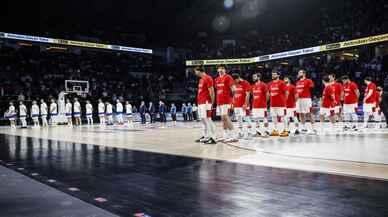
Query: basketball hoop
x=81, y=88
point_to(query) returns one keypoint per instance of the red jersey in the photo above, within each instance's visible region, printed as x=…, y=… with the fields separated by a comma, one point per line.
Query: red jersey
x=259, y=92
x=303, y=88
x=338, y=89
x=203, y=96
x=371, y=99
x=224, y=85
x=277, y=90
x=328, y=97
x=350, y=93
x=290, y=103
x=240, y=93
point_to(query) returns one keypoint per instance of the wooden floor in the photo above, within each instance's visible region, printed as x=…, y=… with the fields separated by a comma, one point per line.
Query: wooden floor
x=360, y=154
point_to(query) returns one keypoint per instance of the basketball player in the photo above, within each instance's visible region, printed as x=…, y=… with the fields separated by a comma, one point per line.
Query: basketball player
x=291, y=106
x=241, y=98
x=173, y=111
x=23, y=114
x=43, y=113
x=377, y=113
x=351, y=95
x=303, y=100
x=369, y=100
x=35, y=113
x=205, y=100
x=101, y=111
x=259, y=105
x=11, y=115
x=77, y=112
x=109, y=113
x=278, y=95
x=89, y=112
x=328, y=102
x=225, y=87
x=338, y=91
x=53, y=112
x=119, y=112
x=128, y=112
x=69, y=112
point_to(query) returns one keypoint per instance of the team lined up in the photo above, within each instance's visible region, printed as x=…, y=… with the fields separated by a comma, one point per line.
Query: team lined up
x=287, y=102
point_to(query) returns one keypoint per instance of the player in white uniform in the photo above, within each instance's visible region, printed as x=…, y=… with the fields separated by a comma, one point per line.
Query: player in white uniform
x=53, y=112
x=77, y=112
x=101, y=111
x=128, y=111
x=89, y=112
x=11, y=115
x=119, y=112
x=109, y=113
x=23, y=114
x=43, y=113
x=35, y=113
x=68, y=112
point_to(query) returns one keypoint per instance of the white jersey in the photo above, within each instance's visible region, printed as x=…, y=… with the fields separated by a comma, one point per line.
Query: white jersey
x=22, y=110
x=68, y=108
x=128, y=108
x=89, y=108
x=119, y=107
x=53, y=108
x=77, y=107
x=101, y=108
x=43, y=109
x=34, y=110
x=11, y=110
x=109, y=109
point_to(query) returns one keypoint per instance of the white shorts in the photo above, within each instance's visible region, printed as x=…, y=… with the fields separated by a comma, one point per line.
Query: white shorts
x=203, y=109
x=278, y=111
x=350, y=108
x=304, y=105
x=241, y=112
x=259, y=113
x=337, y=109
x=327, y=112
x=368, y=108
x=291, y=112
x=223, y=109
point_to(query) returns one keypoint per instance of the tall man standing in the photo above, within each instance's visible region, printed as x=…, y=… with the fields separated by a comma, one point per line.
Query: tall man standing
x=303, y=100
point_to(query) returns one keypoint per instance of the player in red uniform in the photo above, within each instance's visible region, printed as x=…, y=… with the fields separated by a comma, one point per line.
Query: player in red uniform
x=338, y=92
x=291, y=106
x=205, y=99
x=225, y=87
x=377, y=113
x=303, y=100
x=259, y=105
x=328, y=102
x=351, y=95
x=278, y=95
x=241, y=96
x=369, y=105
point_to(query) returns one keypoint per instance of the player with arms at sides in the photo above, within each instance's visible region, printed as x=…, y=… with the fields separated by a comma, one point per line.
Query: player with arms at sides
x=303, y=100
x=277, y=96
x=35, y=113
x=369, y=100
x=241, y=98
x=205, y=100
x=328, y=103
x=377, y=113
x=53, y=112
x=128, y=112
x=351, y=96
x=225, y=87
x=23, y=114
x=77, y=112
x=89, y=112
x=109, y=113
x=11, y=115
x=338, y=92
x=291, y=106
x=69, y=112
x=119, y=112
x=260, y=96
x=101, y=112
x=43, y=113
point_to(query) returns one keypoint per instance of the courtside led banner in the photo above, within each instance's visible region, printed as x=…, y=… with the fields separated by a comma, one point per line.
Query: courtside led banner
x=293, y=53
x=72, y=43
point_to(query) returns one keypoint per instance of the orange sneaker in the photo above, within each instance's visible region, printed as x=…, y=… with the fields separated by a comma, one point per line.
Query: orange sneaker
x=274, y=133
x=284, y=133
